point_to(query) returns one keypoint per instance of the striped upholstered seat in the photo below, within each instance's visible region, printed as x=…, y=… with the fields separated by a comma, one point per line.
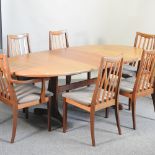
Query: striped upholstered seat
x=28, y=93
x=85, y=95
x=126, y=85
x=129, y=70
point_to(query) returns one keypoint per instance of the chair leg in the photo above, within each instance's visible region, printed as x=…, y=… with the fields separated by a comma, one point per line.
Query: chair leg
x=92, y=115
x=107, y=113
x=130, y=104
x=68, y=80
x=64, y=116
x=118, y=119
x=88, y=76
x=49, y=114
x=134, y=114
x=153, y=98
x=26, y=113
x=14, y=126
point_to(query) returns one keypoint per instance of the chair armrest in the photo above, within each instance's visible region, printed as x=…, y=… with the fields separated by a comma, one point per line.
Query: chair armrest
x=28, y=81
x=25, y=81
x=32, y=81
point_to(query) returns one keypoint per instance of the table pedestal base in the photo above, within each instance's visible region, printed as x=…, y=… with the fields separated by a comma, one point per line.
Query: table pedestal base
x=52, y=87
x=42, y=111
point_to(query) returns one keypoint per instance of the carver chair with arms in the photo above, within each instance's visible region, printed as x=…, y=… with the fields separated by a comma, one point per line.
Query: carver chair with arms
x=21, y=94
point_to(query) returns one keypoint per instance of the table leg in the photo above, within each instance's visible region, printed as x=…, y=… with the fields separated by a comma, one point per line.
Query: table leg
x=53, y=87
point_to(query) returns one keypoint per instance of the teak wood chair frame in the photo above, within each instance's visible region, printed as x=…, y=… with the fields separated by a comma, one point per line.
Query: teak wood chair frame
x=8, y=94
x=144, y=84
x=18, y=44
x=58, y=40
x=144, y=41
x=109, y=75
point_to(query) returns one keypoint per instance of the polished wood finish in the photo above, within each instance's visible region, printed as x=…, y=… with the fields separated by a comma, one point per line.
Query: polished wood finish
x=105, y=93
x=59, y=40
x=145, y=82
x=67, y=61
x=18, y=45
x=8, y=95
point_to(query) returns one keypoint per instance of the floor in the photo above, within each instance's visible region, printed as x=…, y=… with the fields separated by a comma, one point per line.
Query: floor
x=33, y=138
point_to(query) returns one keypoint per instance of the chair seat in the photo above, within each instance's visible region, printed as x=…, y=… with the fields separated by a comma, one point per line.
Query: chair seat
x=126, y=86
x=28, y=93
x=84, y=95
x=129, y=70
x=131, y=79
x=129, y=67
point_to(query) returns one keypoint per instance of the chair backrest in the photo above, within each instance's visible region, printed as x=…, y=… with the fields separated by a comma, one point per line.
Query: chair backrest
x=18, y=45
x=146, y=74
x=58, y=40
x=109, y=75
x=7, y=93
x=144, y=41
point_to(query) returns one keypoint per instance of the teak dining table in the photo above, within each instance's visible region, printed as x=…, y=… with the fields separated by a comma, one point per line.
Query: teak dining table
x=68, y=61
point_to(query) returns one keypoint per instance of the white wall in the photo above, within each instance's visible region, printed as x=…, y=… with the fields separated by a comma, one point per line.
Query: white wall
x=87, y=21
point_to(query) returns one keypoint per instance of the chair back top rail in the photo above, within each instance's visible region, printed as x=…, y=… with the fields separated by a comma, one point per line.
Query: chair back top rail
x=145, y=41
x=18, y=45
x=58, y=40
x=109, y=75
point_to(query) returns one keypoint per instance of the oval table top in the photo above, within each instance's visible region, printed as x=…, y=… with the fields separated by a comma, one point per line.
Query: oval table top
x=68, y=61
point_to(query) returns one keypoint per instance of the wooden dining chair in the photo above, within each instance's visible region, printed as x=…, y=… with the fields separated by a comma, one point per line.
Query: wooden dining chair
x=58, y=40
x=21, y=94
x=103, y=95
x=144, y=83
x=18, y=45
x=143, y=41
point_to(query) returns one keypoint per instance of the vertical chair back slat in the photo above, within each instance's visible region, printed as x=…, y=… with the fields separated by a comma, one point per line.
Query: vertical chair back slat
x=58, y=40
x=108, y=80
x=18, y=44
x=145, y=41
x=145, y=77
x=6, y=89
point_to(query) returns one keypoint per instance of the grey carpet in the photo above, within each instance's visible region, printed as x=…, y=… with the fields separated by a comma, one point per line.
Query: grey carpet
x=33, y=138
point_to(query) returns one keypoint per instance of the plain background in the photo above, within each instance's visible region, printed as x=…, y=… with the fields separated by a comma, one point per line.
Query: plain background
x=87, y=21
